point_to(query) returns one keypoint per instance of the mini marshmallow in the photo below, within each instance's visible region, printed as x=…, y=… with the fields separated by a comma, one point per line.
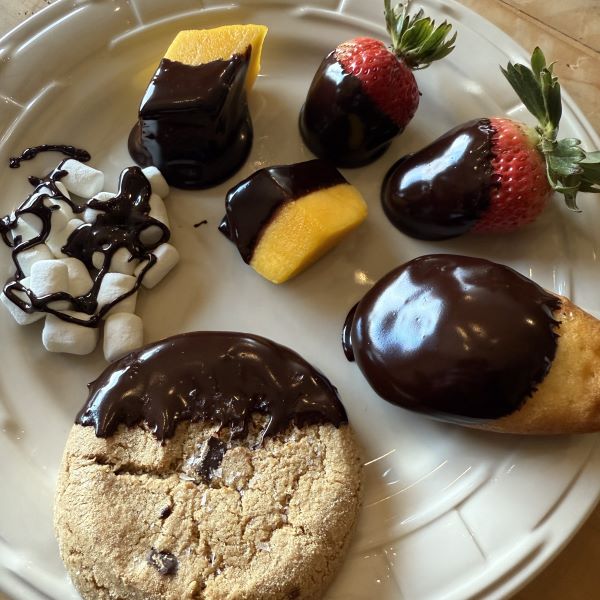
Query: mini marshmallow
x=62, y=213
x=123, y=333
x=57, y=239
x=90, y=214
x=20, y=316
x=27, y=258
x=158, y=183
x=62, y=336
x=46, y=191
x=98, y=259
x=80, y=281
x=50, y=277
x=81, y=179
x=28, y=227
x=122, y=262
x=167, y=257
x=158, y=210
x=112, y=287
x=151, y=235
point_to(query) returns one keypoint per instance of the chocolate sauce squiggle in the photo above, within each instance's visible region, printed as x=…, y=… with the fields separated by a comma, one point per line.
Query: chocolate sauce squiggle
x=14, y=162
x=119, y=225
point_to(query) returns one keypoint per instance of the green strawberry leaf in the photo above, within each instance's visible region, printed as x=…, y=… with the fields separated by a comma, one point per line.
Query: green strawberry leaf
x=569, y=168
x=415, y=38
x=538, y=62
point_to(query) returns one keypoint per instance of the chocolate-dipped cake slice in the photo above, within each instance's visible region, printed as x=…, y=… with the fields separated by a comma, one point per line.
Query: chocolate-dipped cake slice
x=194, y=123
x=474, y=342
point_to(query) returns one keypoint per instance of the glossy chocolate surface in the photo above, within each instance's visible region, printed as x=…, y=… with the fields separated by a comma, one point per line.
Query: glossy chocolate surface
x=120, y=223
x=441, y=191
x=341, y=123
x=14, y=162
x=253, y=202
x=217, y=377
x=456, y=337
x=194, y=124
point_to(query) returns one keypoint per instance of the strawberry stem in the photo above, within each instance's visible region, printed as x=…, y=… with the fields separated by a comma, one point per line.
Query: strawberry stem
x=570, y=169
x=415, y=38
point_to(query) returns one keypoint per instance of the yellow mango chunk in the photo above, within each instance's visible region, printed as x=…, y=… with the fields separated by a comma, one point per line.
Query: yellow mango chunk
x=305, y=229
x=199, y=46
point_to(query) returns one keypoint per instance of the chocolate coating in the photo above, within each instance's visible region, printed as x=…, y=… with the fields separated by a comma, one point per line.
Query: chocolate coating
x=459, y=338
x=217, y=377
x=441, y=191
x=119, y=225
x=340, y=122
x=254, y=202
x=194, y=123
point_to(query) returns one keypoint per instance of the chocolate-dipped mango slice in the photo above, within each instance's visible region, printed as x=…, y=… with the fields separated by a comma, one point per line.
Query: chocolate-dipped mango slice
x=473, y=342
x=283, y=218
x=194, y=123
x=201, y=46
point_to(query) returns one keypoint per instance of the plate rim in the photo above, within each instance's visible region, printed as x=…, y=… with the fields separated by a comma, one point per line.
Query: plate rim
x=35, y=24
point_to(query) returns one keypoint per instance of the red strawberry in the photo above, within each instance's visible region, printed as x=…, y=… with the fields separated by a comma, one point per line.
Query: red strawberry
x=364, y=94
x=385, y=78
x=522, y=188
x=492, y=175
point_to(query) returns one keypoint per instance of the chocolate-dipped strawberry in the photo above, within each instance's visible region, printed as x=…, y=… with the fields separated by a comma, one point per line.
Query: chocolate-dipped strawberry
x=194, y=123
x=492, y=175
x=365, y=94
x=474, y=342
x=283, y=218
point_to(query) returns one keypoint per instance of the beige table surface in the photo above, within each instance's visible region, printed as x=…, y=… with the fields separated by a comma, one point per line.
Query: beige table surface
x=569, y=32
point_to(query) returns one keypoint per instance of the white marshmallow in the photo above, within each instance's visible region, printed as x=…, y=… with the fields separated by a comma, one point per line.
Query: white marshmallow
x=151, y=235
x=80, y=281
x=158, y=183
x=81, y=179
x=90, y=214
x=20, y=316
x=61, y=215
x=28, y=227
x=61, y=336
x=27, y=258
x=50, y=277
x=112, y=287
x=98, y=259
x=123, y=333
x=167, y=257
x=46, y=191
x=158, y=210
x=57, y=239
x=121, y=263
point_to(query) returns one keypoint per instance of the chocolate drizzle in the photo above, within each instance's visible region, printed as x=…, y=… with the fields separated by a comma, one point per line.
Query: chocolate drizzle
x=14, y=162
x=441, y=191
x=216, y=377
x=254, y=202
x=340, y=122
x=119, y=225
x=457, y=337
x=194, y=123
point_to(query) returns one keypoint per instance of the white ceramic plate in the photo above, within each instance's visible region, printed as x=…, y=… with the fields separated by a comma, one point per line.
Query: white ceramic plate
x=448, y=513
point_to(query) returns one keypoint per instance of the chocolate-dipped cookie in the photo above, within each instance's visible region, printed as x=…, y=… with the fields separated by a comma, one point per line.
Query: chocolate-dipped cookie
x=284, y=218
x=209, y=465
x=470, y=341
